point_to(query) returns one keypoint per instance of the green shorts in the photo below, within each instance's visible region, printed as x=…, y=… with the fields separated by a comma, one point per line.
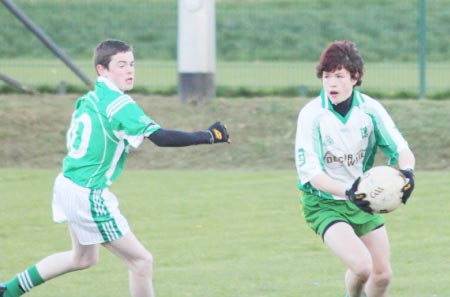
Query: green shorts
x=321, y=213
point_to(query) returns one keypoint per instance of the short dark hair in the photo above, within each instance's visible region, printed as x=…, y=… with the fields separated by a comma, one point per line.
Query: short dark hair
x=108, y=48
x=342, y=54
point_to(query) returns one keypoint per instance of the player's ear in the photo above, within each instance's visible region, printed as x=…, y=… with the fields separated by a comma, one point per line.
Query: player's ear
x=100, y=69
x=355, y=78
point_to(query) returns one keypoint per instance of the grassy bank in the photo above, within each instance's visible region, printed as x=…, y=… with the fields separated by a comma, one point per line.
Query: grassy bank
x=32, y=132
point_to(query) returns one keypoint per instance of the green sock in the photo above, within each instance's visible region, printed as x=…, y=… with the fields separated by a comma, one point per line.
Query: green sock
x=23, y=282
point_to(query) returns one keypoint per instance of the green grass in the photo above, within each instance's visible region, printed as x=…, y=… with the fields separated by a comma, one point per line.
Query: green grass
x=223, y=233
x=232, y=231
x=33, y=128
x=379, y=77
x=263, y=47
x=246, y=30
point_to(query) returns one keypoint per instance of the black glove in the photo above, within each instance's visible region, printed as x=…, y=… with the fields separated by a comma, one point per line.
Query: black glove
x=409, y=187
x=357, y=198
x=219, y=133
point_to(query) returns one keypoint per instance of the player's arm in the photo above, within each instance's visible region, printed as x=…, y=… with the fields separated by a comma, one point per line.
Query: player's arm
x=325, y=183
x=388, y=136
x=406, y=159
x=406, y=164
x=174, y=138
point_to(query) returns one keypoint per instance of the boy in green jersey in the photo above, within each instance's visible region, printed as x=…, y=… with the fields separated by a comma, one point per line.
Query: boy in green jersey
x=106, y=123
x=338, y=134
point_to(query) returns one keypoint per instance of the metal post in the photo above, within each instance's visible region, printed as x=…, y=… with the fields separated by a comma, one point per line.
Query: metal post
x=46, y=40
x=422, y=49
x=196, y=50
x=17, y=84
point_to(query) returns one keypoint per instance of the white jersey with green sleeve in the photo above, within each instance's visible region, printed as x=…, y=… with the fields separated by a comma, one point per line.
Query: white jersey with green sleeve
x=343, y=147
x=105, y=123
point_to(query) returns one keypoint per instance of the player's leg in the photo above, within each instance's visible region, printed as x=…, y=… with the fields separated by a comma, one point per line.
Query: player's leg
x=377, y=243
x=347, y=246
x=139, y=261
x=21, y=283
x=79, y=257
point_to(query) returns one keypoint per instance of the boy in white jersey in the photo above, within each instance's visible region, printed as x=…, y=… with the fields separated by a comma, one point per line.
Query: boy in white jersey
x=105, y=124
x=338, y=134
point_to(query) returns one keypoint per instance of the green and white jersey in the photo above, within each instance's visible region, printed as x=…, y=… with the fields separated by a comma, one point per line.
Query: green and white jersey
x=105, y=123
x=343, y=147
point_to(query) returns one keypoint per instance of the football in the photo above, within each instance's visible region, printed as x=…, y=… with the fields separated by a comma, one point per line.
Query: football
x=382, y=186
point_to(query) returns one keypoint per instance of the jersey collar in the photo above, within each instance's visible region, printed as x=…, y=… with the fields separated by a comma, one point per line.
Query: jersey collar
x=109, y=84
x=326, y=103
x=357, y=99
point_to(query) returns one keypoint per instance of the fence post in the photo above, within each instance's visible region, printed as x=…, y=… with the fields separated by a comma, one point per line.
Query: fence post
x=422, y=49
x=196, y=50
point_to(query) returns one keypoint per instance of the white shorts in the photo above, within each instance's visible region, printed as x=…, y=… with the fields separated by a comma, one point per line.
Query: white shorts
x=93, y=215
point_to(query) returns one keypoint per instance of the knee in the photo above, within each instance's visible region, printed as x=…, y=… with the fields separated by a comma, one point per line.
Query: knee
x=363, y=271
x=80, y=263
x=143, y=265
x=382, y=278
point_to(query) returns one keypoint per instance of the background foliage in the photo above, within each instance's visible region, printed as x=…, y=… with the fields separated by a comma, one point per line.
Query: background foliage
x=246, y=30
x=262, y=46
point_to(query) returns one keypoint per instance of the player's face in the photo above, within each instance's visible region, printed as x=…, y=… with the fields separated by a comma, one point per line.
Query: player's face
x=120, y=70
x=338, y=85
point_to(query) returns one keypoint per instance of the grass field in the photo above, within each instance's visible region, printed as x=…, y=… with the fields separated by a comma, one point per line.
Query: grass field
x=224, y=221
x=232, y=231
x=381, y=77
x=223, y=233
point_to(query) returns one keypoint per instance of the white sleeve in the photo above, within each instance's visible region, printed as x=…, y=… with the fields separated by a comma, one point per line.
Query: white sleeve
x=307, y=144
x=389, y=138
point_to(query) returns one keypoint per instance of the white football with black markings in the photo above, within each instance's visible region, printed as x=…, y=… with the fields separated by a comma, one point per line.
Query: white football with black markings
x=382, y=186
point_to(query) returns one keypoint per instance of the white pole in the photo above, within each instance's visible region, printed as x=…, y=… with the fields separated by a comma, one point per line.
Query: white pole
x=196, y=50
